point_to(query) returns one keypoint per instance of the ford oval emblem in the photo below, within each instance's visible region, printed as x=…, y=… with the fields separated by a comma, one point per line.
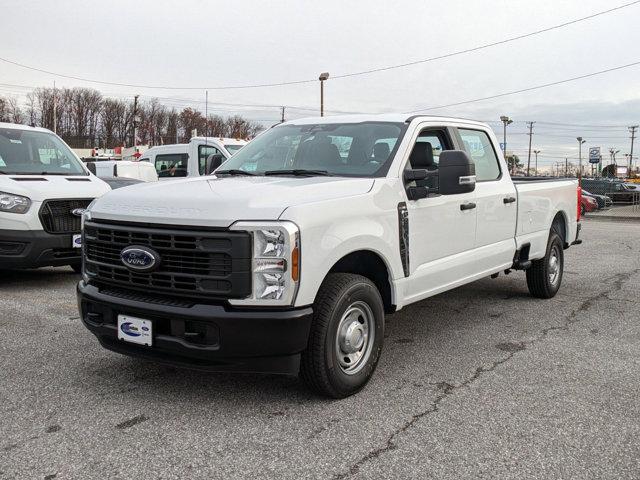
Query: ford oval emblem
x=139, y=258
x=78, y=211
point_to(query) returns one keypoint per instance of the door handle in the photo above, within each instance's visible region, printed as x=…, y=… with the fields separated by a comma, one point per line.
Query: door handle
x=467, y=206
x=508, y=200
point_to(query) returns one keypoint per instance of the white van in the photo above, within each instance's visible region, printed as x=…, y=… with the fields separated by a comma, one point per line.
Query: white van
x=44, y=189
x=199, y=157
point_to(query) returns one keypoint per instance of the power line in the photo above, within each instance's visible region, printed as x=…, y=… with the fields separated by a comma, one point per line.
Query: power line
x=537, y=87
x=345, y=75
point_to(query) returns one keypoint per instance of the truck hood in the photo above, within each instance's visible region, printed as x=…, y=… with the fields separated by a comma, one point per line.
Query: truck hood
x=42, y=187
x=221, y=201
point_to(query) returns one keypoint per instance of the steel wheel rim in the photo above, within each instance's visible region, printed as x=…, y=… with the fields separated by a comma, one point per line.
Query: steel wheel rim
x=554, y=266
x=354, y=337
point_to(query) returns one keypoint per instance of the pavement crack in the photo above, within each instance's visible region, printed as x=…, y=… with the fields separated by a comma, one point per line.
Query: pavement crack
x=617, y=282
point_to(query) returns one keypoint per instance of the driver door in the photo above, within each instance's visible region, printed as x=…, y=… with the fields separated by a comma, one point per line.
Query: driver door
x=442, y=228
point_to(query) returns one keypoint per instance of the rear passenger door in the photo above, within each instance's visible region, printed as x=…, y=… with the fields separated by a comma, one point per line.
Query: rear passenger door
x=496, y=202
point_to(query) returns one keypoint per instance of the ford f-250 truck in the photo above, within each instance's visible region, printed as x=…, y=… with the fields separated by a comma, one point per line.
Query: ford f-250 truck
x=288, y=258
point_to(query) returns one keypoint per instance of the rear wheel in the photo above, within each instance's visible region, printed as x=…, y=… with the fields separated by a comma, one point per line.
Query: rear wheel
x=346, y=336
x=545, y=275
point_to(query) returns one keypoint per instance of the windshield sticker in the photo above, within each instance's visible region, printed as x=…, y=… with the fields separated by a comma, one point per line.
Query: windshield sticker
x=15, y=141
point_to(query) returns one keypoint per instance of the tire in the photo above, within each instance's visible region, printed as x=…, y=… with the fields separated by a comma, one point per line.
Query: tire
x=347, y=333
x=544, y=277
x=77, y=267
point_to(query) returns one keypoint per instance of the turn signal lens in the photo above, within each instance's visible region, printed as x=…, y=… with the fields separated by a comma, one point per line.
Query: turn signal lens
x=295, y=264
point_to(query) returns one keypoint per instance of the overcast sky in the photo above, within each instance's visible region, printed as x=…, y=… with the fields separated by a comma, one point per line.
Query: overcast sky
x=211, y=43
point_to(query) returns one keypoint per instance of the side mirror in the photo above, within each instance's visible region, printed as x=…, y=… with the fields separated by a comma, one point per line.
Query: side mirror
x=457, y=173
x=213, y=161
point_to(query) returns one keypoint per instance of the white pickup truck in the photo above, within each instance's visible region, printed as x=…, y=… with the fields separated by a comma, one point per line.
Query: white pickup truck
x=289, y=257
x=199, y=157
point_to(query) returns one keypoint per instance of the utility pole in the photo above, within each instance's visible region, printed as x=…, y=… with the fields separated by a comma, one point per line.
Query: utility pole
x=55, y=109
x=323, y=76
x=206, y=113
x=282, y=116
x=632, y=129
x=566, y=167
x=135, y=122
x=530, y=139
x=536, y=152
x=506, y=121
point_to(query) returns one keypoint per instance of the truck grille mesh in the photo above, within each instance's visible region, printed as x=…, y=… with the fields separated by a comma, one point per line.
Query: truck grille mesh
x=56, y=216
x=215, y=264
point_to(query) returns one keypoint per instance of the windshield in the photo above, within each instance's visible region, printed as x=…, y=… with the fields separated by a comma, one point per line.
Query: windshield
x=341, y=149
x=233, y=148
x=30, y=152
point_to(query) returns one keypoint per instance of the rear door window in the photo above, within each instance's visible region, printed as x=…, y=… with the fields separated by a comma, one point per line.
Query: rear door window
x=479, y=147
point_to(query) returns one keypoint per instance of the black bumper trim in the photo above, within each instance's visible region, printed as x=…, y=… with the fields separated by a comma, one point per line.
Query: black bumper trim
x=38, y=249
x=239, y=340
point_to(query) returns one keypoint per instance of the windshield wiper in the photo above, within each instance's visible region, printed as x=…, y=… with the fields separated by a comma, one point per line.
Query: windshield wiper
x=299, y=172
x=234, y=171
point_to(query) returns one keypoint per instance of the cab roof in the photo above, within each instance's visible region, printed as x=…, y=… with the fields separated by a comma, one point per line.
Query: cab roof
x=384, y=117
x=19, y=126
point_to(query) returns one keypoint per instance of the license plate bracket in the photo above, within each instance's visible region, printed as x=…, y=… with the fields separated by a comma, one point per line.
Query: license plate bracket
x=135, y=330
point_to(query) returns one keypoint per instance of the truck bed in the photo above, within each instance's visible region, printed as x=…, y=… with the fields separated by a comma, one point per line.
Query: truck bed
x=538, y=200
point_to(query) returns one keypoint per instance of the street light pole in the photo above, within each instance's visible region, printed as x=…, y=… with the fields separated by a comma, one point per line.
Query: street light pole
x=323, y=76
x=580, y=142
x=506, y=121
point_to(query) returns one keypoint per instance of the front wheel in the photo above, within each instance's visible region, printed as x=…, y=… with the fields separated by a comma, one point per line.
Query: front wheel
x=346, y=336
x=545, y=275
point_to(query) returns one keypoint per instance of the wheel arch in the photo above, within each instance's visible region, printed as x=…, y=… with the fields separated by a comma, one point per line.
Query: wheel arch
x=559, y=225
x=369, y=264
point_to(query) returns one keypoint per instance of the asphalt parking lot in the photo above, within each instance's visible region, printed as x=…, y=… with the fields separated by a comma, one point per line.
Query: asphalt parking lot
x=480, y=382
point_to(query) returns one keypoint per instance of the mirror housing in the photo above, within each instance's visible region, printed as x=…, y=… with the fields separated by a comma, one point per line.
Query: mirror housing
x=457, y=173
x=413, y=175
x=213, y=162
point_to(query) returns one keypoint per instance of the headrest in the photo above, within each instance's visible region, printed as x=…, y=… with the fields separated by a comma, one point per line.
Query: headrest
x=422, y=156
x=381, y=151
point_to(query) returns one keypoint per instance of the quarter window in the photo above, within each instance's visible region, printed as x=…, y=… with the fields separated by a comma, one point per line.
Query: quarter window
x=479, y=147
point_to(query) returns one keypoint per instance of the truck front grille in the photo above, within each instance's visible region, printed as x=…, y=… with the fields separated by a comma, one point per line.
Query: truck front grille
x=56, y=215
x=193, y=263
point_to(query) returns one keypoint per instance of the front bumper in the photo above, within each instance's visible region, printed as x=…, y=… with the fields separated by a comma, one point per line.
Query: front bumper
x=36, y=248
x=200, y=336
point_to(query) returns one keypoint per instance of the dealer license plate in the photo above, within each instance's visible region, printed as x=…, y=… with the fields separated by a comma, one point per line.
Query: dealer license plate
x=135, y=330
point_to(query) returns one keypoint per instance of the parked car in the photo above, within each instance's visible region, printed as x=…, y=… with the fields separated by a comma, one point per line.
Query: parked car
x=199, y=157
x=143, y=171
x=44, y=189
x=588, y=204
x=287, y=259
x=603, y=200
x=613, y=188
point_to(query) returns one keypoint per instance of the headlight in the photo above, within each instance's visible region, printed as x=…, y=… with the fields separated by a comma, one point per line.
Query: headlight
x=275, y=262
x=14, y=203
